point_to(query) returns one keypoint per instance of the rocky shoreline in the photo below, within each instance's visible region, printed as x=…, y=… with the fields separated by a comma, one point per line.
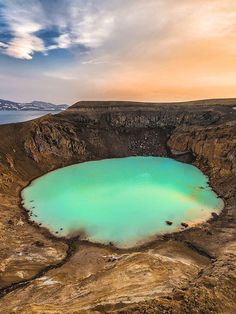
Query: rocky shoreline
x=176, y=273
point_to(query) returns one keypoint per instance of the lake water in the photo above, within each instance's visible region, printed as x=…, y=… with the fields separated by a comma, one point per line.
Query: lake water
x=13, y=116
x=124, y=201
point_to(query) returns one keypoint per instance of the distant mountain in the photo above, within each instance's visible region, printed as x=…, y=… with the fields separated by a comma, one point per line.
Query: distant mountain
x=34, y=105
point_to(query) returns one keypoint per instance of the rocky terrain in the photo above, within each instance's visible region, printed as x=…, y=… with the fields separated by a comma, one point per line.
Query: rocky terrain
x=192, y=271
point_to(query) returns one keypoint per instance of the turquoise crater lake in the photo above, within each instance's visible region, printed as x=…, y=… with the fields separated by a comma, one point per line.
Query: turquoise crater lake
x=126, y=201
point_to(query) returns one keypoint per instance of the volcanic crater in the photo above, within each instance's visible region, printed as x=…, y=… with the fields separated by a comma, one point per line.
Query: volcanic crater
x=191, y=271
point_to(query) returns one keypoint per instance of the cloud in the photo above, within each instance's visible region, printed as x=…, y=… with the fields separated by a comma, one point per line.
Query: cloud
x=24, y=46
x=79, y=23
x=93, y=30
x=64, y=41
x=3, y=45
x=119, y=26
x=136, y=49
x=21, y=27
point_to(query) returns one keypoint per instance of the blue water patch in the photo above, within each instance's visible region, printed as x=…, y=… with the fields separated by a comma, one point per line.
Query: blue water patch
x=125, y=201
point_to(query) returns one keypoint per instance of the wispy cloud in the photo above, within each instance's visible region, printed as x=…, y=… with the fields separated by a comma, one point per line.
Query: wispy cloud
x=135, y=49
x=3, y=45
x=79, y=23
x=23, y=46
x=21, y=28
x=115, y=24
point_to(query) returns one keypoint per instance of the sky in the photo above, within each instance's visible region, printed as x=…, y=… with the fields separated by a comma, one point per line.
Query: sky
x=64, y=51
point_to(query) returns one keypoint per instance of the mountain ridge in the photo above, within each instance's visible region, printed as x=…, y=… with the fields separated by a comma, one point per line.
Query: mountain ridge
x=34, y=106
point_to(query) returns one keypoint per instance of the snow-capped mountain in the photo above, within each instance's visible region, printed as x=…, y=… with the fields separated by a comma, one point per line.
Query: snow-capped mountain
x=34, y=105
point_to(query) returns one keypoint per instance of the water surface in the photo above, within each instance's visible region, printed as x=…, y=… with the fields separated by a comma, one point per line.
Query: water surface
x=124, y=201
x=13, y=116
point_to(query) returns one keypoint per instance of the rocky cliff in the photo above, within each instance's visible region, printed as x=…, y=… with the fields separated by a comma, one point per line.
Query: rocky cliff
x=187, y=272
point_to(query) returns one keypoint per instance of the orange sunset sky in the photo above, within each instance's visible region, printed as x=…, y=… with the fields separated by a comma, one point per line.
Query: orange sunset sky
x=155, y=50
